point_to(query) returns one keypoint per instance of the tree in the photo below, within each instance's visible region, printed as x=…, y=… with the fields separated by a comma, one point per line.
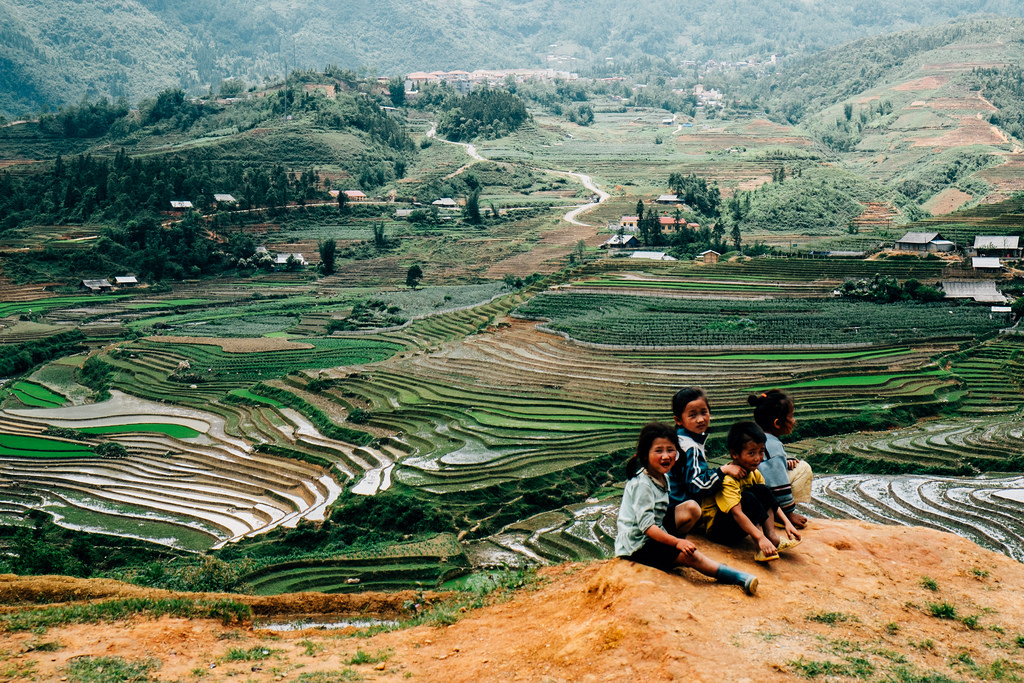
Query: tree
x=342, y=201
x=396, y=91
x=413, y=276
x=473, y=207
x=327, y=249
x=737, y=238
x=380, y=240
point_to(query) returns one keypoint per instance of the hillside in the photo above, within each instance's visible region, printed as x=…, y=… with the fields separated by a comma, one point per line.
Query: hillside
x=55, y=52
x=854, y=600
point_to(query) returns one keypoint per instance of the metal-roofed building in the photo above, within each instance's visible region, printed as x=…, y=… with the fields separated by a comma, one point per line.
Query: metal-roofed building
x=982, y=291
x=924, y=242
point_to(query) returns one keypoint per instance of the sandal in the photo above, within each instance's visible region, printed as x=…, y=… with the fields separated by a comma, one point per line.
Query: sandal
x=750, y=585
x=761, y=557
x=788, y=544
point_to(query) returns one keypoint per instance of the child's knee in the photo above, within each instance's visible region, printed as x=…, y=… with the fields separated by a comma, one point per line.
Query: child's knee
x=687, y=512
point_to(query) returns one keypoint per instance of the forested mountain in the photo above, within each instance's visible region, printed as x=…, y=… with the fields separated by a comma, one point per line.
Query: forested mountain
x=56, y=51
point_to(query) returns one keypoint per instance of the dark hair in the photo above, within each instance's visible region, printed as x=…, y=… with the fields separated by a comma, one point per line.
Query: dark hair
x=742, y=433
x=686, y=396
x=770, y=406
x=648, y=435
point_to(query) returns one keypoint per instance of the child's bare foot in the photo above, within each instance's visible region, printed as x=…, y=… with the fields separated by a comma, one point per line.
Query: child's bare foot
x=798, y=520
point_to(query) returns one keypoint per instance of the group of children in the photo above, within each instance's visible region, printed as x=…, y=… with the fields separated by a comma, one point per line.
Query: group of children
x=671, y=490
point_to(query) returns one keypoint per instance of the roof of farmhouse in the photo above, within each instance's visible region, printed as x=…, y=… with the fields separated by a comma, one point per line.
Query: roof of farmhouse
x=918, y=238
x=979, y=290
x=996, y=242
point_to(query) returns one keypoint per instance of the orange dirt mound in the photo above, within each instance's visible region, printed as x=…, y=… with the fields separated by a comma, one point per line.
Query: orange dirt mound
x=851, y=594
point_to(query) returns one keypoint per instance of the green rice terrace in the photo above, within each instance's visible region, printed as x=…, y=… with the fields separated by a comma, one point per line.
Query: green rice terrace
x=247, y=428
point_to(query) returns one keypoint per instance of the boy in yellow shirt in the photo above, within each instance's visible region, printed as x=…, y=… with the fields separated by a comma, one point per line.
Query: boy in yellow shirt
x=744, y=506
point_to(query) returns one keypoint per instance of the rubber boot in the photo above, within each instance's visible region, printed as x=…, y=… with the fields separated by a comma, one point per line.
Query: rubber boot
x=729, y=575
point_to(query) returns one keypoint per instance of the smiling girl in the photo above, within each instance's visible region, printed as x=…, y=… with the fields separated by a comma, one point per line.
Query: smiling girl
x=642, y=536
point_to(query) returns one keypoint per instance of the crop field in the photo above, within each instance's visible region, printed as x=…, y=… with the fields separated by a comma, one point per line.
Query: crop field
x=662, y=321
x=36, y=395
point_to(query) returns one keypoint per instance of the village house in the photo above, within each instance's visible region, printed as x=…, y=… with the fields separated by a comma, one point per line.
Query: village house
x=621, y=242
x=355, y=195
x=225, y=199
x=445, y=203
x=986, y=264
x=126, y=281
x=924, y=242
x=97, y=285
x=668, y=199
x=709, y=257
x=281, y=259
x=652, y=256
x=629, y=222
x=180, y=205
x=996, y=245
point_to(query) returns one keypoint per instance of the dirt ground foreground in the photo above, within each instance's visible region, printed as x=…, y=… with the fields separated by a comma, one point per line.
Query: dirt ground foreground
x=874, y=602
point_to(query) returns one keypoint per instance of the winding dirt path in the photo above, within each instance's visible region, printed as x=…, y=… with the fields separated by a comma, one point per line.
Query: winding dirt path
x=584, y=179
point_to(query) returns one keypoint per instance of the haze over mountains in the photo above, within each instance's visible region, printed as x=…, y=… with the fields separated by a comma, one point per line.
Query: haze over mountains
x=54, y=52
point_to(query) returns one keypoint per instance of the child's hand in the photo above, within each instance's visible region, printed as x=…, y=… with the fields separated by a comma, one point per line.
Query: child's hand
x=791, y=530
x=733, y=470
x=792, y=463
x=767, y=547
x=685, y=547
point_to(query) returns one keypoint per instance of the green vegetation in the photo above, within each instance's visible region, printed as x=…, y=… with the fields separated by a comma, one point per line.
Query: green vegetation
x=89, y=669
x=648, y=321
x=228, y=611
x=253, y=654
x=482, y=113
x=17, y=358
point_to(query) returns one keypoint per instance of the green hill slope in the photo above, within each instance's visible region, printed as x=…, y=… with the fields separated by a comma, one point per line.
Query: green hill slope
x=57, y=51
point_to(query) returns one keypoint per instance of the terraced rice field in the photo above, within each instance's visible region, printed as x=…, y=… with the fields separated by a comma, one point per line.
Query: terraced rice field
x=987, y=510
x=213, y=483
x=515, y=403
x=36, y=395
x=394, y=567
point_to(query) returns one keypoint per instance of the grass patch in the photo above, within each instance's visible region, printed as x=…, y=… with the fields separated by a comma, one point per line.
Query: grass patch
x=942, y=610
x=311, y=647
x=831, y=618
x=228, y=611
x=89, y=669
x=810, y=668
x=929, y=583
x=363, y=657
x=341, y=676
x=253, y=654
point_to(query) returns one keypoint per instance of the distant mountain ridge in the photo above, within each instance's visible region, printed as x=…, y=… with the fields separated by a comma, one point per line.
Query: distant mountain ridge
x=56, y=51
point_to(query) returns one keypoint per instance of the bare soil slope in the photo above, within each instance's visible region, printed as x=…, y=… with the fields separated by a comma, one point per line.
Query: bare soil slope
x=874, y=602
